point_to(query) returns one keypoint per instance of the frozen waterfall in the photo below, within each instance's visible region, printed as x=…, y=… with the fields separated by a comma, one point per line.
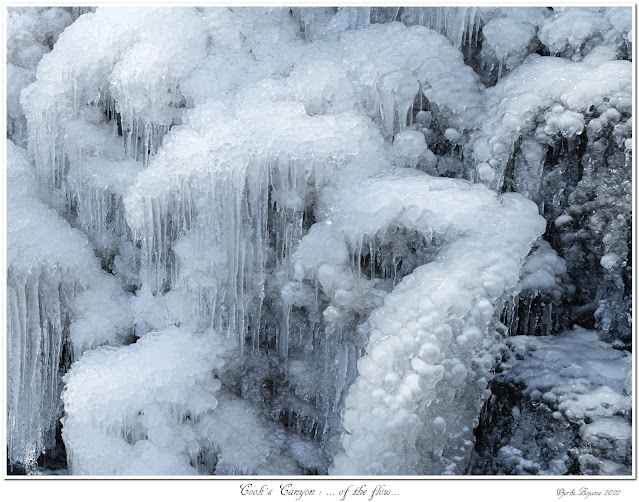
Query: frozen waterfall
x=319, y=241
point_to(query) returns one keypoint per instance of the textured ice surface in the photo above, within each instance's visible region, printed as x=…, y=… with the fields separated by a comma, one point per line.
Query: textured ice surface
x=135, y=401
x=575, y=404
x=547, y=126
x=506, y=42
x=432, y=343
x=31, y=32
x=536, y=305
x=545, y=97
x=132, y=68
x=576, y=32
x=158, y=410
x=229, y=180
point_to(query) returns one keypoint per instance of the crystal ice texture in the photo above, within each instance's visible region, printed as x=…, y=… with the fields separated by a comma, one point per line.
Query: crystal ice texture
x=345, y=241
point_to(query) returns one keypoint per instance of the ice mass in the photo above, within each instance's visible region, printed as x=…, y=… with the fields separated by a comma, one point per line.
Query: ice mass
x=322, y=241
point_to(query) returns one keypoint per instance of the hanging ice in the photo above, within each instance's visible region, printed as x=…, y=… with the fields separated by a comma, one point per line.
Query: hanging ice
x=59, y=304
x=31, y=32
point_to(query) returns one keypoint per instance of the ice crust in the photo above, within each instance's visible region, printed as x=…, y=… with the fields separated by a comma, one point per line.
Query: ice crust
x=543, y=98
x=301, y=223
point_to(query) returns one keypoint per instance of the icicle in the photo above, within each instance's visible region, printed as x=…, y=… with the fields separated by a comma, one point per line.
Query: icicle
x=397, y=94
x=35, y=323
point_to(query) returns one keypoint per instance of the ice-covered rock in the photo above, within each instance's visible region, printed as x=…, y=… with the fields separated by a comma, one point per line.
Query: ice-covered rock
x=545, y=97
x=131, y=70
x=141, y=404
x=570, y=408
x=547, y=121
x=574, y=32
x=536, y=305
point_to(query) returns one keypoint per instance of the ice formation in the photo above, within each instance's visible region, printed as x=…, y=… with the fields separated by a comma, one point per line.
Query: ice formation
x=548, y=125
x=432, y=344
x=60, y=304
x=31, y=34
x=341, y=229
x=140, y=423
x=573, y=393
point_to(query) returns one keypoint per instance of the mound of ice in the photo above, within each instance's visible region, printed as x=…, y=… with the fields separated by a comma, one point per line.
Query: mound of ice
x=574, y=32
x=408, y=146
x=391, y=64
x=545, y=97
x=31, y=32
x=506, y=42
x=387, y=70
x=267, y=451
x=535, y=307
x=155, y=407
x=262, y=43
x=442, y=311
x=542, y=270
x=133, y=68
x=140, y=402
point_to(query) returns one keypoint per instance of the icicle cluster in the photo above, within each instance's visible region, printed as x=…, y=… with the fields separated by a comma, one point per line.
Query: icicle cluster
x=59, y=304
